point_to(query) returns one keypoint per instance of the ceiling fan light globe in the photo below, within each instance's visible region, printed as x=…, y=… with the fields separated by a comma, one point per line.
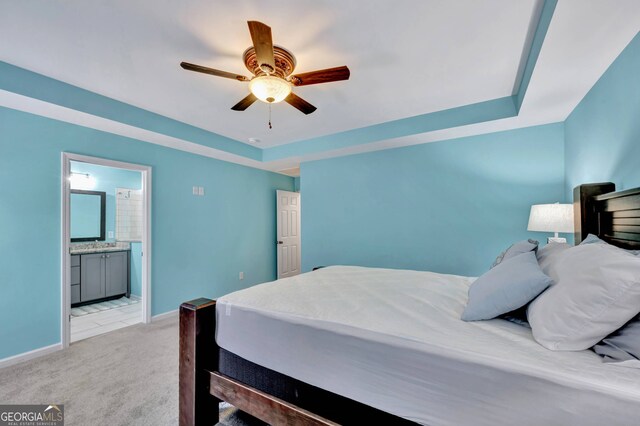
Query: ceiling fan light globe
x=270, y=89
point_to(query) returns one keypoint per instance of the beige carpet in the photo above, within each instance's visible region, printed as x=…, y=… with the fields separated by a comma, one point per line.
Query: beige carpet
x=126, y=377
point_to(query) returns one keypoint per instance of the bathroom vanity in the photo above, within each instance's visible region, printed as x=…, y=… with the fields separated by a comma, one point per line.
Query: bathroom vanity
x=99, y=271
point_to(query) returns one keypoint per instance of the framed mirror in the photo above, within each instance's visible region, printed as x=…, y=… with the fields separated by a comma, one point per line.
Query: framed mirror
x=87, y=215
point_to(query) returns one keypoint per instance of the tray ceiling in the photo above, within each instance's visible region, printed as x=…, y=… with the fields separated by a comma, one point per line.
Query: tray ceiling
x=406, y=59
x=409, y=61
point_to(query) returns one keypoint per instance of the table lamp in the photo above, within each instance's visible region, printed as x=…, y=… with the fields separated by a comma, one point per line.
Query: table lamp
x=551, y=218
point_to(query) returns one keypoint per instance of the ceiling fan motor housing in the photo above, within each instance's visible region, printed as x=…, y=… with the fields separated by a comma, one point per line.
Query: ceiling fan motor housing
x=284, y=60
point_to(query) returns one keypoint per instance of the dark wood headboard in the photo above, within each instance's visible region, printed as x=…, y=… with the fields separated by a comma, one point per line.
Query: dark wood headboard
x=612, y=216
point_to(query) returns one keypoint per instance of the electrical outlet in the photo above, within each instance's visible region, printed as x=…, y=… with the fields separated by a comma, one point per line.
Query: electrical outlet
x=110, y=234
x=241, y=276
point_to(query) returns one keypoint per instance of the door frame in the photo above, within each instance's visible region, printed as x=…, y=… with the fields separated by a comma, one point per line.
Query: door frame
x=65, y=257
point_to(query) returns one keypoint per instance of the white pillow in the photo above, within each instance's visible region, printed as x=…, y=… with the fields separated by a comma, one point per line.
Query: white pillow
x=596, y=291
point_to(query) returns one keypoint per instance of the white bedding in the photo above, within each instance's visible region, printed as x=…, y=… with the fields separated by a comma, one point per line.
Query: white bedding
x=393, y=339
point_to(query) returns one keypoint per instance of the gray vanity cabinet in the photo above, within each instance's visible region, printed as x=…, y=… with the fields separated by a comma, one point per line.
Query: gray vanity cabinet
x=117, y=273
x=92, y=276
x=102, y=275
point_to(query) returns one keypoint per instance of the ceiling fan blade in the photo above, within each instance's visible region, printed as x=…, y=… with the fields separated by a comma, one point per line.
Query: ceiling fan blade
x=321, y=76
x=299, y=103
x=244, y=103
x=207, y=70
x=263, y=44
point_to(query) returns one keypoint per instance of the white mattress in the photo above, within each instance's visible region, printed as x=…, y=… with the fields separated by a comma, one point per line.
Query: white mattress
x=392, y=339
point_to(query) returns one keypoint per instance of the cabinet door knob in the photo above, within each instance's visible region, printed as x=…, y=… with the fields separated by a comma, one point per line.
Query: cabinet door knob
x=108, y=255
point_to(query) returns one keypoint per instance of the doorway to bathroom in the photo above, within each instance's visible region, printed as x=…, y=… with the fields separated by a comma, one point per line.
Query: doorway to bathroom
x=105, y=246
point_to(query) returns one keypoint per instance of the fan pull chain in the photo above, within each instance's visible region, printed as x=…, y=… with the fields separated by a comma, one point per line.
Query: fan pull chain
x=270, y=117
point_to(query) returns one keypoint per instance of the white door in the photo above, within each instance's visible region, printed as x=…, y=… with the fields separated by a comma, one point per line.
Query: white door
x=288, y=205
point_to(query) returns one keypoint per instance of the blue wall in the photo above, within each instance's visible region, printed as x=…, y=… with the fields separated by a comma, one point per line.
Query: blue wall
x=448, y=206
x=136, y=269
x=199, y=243
x=107, y=179
x=602, y=135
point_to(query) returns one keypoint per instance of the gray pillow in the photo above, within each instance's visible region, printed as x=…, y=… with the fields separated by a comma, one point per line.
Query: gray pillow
x=515, y=249
x=593, y=239
x=548, y=256
x=596, y=291
x=510, y=285
x=622, y=345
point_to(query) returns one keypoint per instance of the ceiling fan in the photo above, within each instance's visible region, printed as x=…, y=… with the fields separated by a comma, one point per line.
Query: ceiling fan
x=271, y=67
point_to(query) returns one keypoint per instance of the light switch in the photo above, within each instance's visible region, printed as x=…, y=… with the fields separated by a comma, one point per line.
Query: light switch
x=241, y=276
x=110, y=234
x=195, y=190
x=201, y=190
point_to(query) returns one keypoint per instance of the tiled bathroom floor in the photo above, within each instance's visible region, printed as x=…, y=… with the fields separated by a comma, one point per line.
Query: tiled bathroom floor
x=104, y=321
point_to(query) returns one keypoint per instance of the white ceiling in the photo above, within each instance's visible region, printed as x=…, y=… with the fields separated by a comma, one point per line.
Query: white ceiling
x=110, y=47
x=406, y=58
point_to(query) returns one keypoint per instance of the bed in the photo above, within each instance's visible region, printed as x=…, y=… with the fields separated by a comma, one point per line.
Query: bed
x=351, y=345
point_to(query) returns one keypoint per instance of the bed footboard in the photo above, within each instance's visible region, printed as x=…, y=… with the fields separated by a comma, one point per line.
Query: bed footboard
x=203, y=386
x=260, y=404
x=199, y=355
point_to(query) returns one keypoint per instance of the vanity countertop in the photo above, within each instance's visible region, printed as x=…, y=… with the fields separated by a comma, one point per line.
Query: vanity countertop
x=98, y=247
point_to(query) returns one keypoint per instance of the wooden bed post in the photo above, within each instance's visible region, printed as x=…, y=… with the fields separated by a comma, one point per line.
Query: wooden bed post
x=198, y=356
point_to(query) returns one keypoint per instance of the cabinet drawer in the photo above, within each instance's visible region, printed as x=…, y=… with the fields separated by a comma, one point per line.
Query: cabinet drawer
x=75, y=260
x=75, y=275
x=75, y=294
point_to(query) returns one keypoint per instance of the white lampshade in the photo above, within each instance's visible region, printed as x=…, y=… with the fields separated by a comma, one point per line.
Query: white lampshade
x=270, y=89
x=551, y=218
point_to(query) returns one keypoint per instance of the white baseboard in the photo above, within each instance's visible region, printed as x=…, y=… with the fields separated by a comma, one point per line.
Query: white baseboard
x=15, y=359
x=165, y=315
x=134, y=296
